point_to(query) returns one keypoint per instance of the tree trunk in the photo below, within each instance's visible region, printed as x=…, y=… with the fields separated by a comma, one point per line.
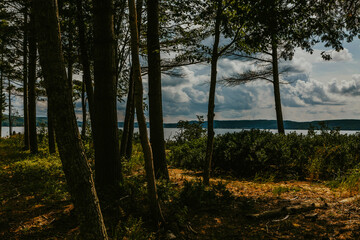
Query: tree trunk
x=2, y=101
x=76, y=168
x=276, y=82
x=129, y=112
x=84, y=55
x=70, y=65
x=129, y=147
x=83, y=106
x=211, y=106
x=106, y=141
x=138, y=90
x=10, y=113
x=32, y=82
x=25, y=81
x=155, y=98
x=128, y=130
x=51, y=133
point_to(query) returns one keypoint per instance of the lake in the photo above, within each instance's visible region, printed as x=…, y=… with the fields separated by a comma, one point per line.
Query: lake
x=169, y=133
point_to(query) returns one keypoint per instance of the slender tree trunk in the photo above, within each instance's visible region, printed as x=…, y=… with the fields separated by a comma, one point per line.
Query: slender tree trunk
x=128, y=131
x=25, y=80
x=85, y=60
x=155, y=98
x=107, y=149
x=51, y=131
x=70, y=64
x=211, y=106
x=2, y=102
x=83, y=106
x=276, y=82
x=149, y=165
x=129, y=112
x=129, y=147
x=10, y=107
x=32, y=82
x=76, y=168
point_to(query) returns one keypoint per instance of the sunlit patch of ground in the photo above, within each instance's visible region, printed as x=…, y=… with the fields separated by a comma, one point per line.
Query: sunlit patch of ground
x=28, y=214
x=336, y=221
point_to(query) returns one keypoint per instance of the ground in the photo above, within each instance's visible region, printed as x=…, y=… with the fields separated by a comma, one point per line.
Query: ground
x=335, y=221
x=47, y=214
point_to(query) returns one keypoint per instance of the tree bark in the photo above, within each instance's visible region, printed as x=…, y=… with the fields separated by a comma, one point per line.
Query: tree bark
x=70, y=65
x=129, y=113
x=276, y=82
x=9, y=107
x=51, y=133
x=211, y=106
x=25, y=80
x=2, y=102
x=84, y=56
x=75, y=165
x=83, y=106
x=138, y=90
x=106, y=141
x=155, y=96
x=70, y=59
x=128, y=130
x=32, y=82
x=129, y=147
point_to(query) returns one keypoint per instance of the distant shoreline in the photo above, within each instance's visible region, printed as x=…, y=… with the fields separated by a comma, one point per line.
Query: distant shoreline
x=343, y=124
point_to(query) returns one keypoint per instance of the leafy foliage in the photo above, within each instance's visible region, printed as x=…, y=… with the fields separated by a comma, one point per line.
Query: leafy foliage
x=326, y=155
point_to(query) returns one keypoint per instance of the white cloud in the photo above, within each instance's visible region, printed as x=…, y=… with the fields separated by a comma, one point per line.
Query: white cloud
x=342, y=56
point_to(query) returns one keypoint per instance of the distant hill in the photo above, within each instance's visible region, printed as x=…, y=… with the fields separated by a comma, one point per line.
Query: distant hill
x=343, y=124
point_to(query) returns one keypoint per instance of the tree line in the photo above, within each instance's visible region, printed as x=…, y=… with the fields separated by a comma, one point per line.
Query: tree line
x=112, y=44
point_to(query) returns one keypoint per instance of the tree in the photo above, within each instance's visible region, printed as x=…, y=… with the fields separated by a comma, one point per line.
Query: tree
x=32, y=85
x=275, y=28
x=149, y=165
x=10, y=88
x=51, y=132
x=216, y=53
x=25, y=79
x=155, y=96
x=2, y=100
x=106, y=142
x=128, y=130
x=75, y=165
x=85, y=60
x=9, y=64
x=211, y=104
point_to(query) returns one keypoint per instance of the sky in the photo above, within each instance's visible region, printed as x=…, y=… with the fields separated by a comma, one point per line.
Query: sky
x=316, y=90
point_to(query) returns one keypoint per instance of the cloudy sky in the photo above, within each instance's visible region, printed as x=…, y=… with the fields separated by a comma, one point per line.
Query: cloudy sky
x=317, y=90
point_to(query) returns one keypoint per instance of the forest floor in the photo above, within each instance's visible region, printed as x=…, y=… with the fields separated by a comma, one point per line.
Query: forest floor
x=333, y=219
x=30, y=209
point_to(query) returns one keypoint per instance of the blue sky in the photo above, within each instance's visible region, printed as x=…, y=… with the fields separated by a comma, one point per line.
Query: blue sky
x=318, y=90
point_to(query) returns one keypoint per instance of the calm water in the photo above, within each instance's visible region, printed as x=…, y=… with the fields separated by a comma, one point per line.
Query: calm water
x=171, y=132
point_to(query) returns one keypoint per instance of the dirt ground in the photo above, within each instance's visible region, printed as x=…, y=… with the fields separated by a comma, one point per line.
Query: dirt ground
x=21, y=217
x=333, y=220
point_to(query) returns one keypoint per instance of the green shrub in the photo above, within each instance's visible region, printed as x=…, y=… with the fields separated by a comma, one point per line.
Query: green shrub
x=189, y=155
x=246, y=154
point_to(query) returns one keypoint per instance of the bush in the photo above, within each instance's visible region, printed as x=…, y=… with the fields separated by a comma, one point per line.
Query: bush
x=189, y=155
x=327, y=155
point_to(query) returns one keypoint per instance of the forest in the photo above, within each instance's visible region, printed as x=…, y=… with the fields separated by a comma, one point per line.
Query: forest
x=106, y=182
